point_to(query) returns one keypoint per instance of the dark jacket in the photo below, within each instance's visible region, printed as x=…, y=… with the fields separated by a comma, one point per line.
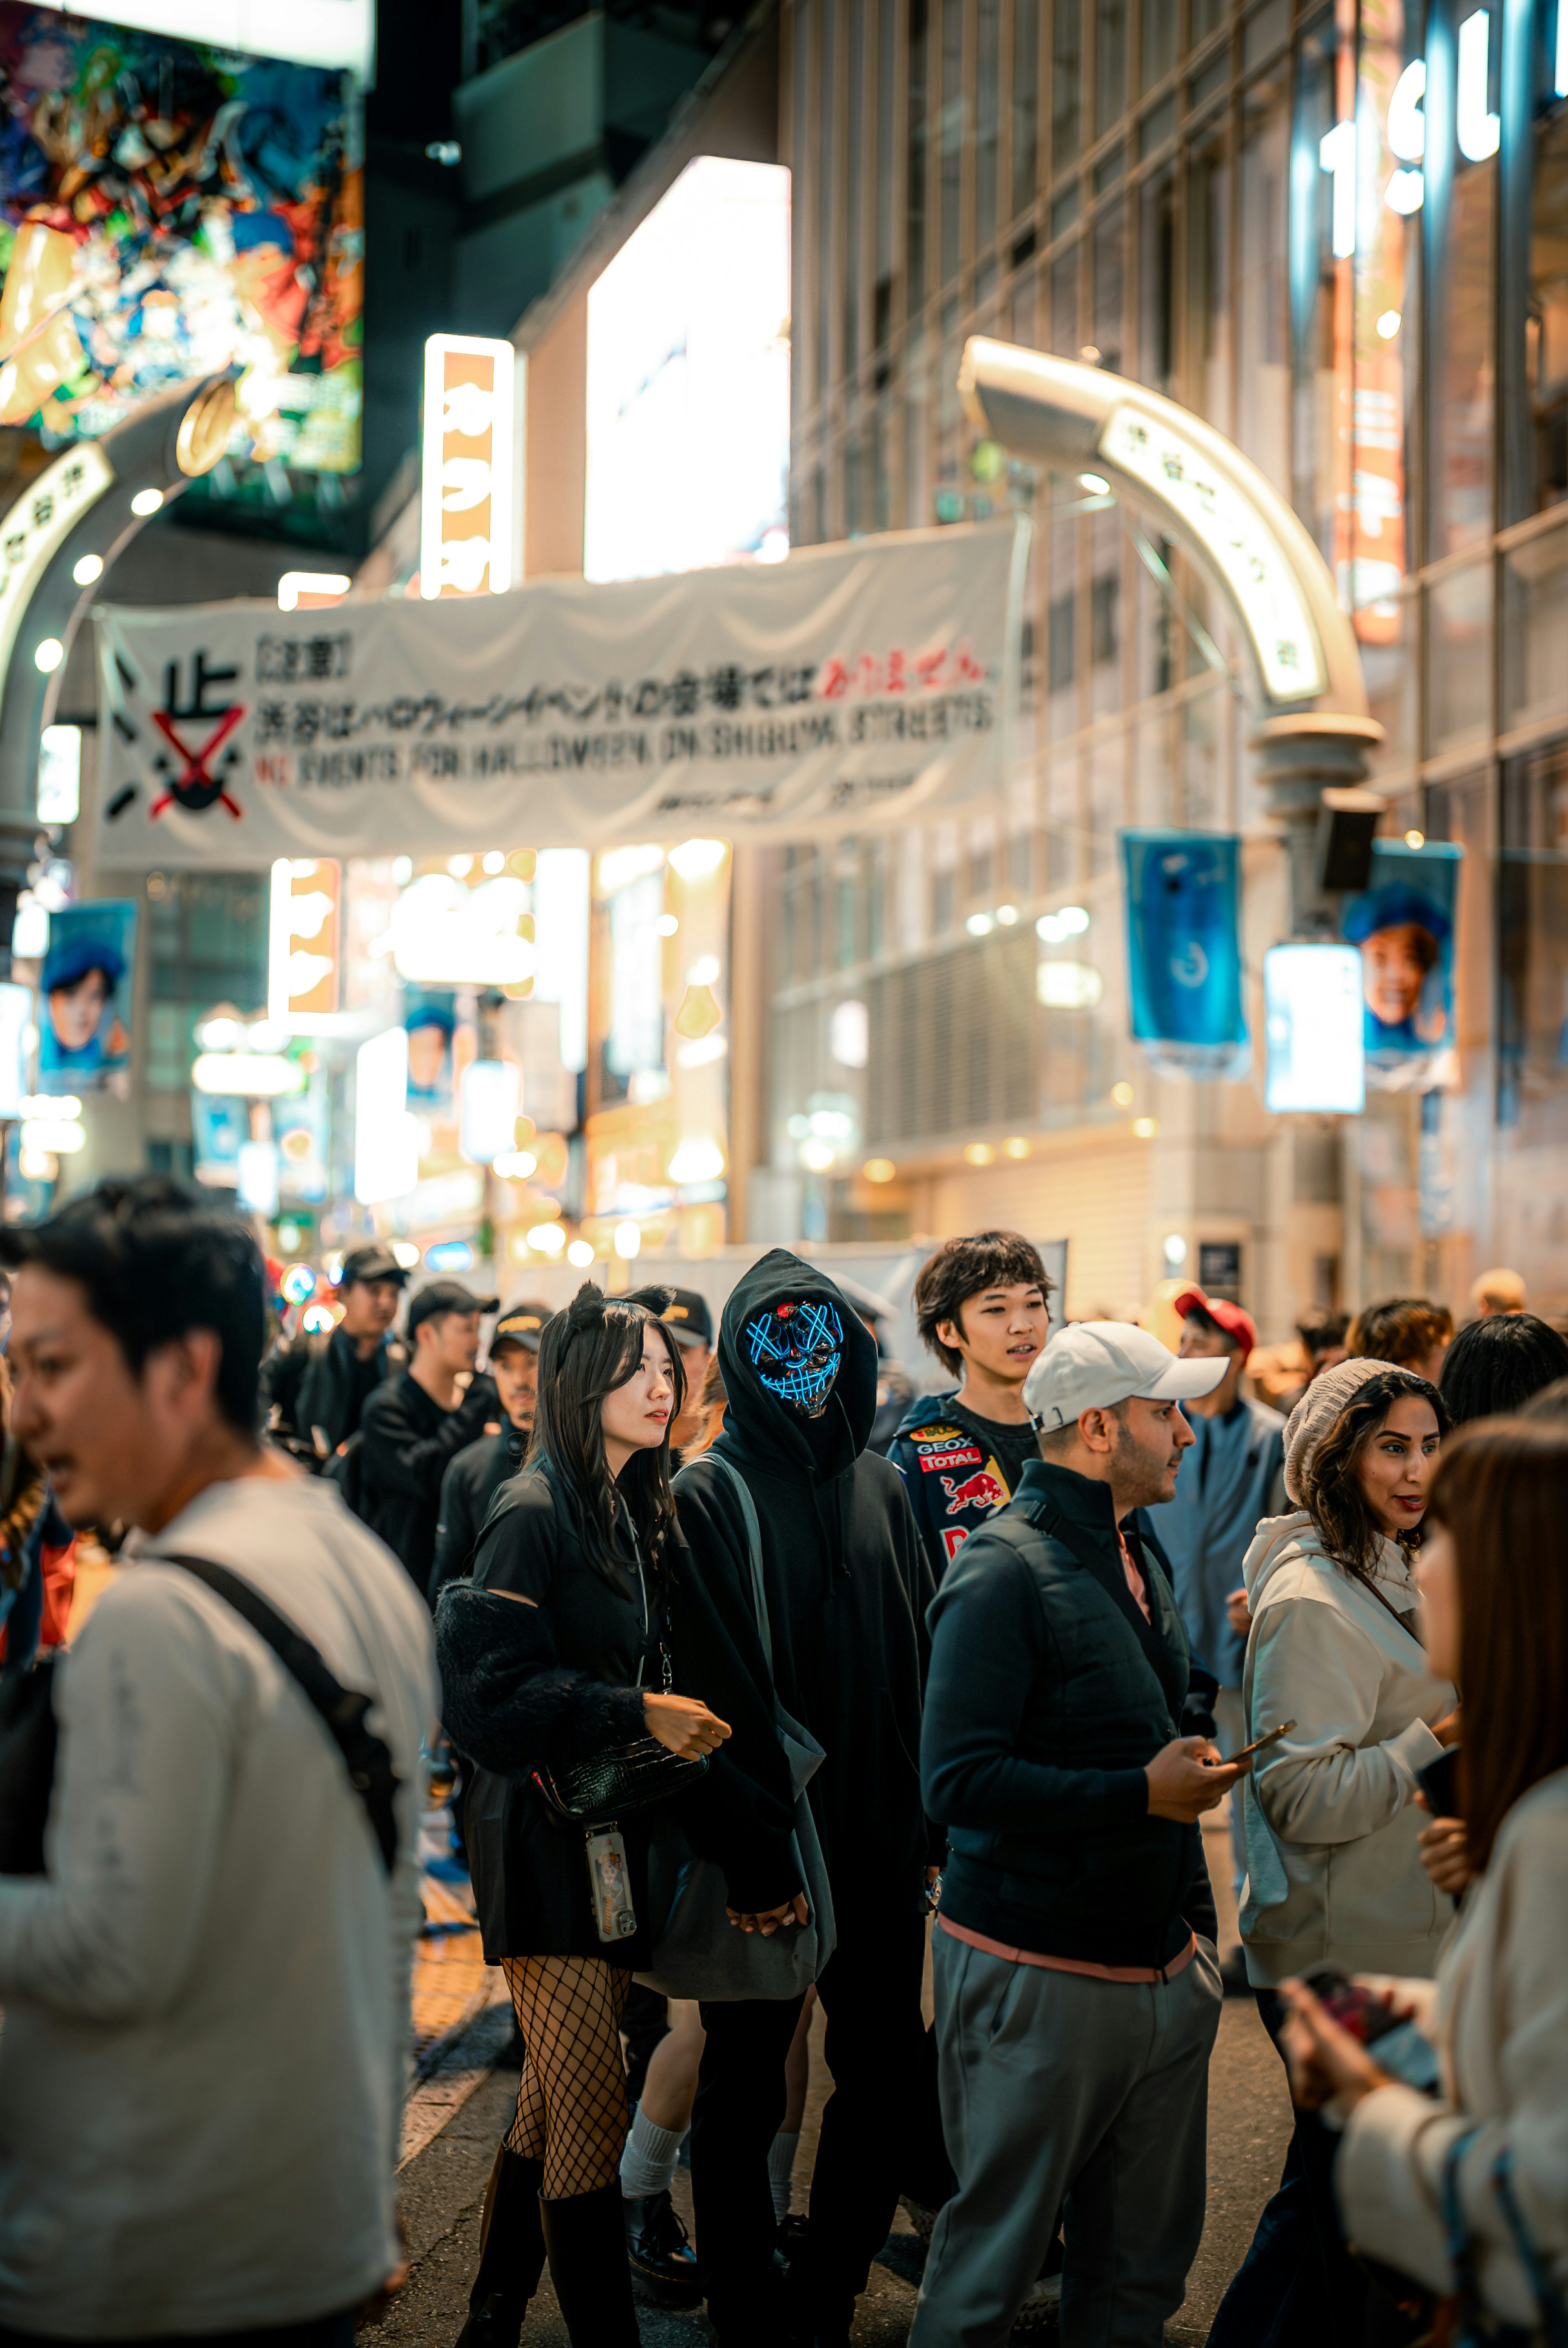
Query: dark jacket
x=1049, y=1693
x=321, y=1382
x=407, y=1442
x=549, y=1684
x=847, y=1585
x=467, y=1488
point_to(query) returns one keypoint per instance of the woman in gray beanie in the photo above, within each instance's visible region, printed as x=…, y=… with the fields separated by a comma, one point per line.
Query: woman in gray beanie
x=1333, y=1872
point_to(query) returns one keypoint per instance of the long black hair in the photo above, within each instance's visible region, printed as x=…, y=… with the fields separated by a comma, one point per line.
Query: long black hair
x=584, y=1354
x=1339, y=1506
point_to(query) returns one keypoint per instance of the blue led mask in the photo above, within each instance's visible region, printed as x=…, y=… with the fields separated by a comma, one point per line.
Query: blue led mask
x=797, y=1349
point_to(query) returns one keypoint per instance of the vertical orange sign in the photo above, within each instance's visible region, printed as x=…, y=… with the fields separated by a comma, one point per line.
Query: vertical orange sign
x=304, y=959
x=466, y=500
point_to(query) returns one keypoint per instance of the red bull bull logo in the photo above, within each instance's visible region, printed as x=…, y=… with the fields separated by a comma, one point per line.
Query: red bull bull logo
x=980, y=1490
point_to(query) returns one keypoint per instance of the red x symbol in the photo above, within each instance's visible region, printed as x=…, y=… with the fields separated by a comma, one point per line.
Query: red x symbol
x=196, y=777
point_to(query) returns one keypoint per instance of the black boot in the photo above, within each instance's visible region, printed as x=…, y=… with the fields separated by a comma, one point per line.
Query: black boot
x=511, y=2253
x=663, y=2267
x=585, y=2238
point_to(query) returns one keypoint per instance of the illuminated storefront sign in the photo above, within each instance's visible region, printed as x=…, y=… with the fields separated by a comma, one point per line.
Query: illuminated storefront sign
x=688, y=379
x=1312, y=1022
x=304, y=959
x=1237, y=540
x=307, y=32
x=465, y=492
x=38, y=526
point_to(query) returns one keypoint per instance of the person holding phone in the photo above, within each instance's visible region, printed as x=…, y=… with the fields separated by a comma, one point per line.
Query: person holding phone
x=1334, y=1867
x=556, y=1650
x=1494, y=1590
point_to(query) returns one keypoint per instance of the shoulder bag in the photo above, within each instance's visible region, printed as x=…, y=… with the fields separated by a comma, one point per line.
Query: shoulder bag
x=697, y=1952
x=27, y=1733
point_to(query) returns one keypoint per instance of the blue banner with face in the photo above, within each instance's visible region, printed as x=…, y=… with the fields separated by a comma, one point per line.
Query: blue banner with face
x=1404, y=925
x=1183, y=950
x=796, y=1350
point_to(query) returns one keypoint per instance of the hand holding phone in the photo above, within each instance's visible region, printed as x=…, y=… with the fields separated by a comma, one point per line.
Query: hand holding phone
x=1262, y=1744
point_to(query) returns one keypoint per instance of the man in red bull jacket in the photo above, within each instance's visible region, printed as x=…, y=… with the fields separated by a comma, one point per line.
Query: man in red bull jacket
x=980, y=1305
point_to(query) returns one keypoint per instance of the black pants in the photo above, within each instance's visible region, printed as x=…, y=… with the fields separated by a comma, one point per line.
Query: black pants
x=326, y=2332
x=870, y=1995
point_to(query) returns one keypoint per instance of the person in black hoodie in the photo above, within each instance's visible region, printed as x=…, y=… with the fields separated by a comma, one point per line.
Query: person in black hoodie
x=478, y=1473
x=1077, y=1985
x=559, y=1648
x=847, y=1585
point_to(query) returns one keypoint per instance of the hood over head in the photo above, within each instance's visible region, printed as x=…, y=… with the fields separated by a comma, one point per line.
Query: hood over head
x=757, y=1423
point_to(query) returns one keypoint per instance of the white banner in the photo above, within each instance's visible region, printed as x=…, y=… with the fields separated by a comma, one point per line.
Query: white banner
x=847, y=686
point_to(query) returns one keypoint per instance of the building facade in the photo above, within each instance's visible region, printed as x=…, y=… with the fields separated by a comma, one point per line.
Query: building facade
x=1149, y=188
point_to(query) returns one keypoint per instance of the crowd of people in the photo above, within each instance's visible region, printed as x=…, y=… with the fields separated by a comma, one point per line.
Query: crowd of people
x=765, y=1677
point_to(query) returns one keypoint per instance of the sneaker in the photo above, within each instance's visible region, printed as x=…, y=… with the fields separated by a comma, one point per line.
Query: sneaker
x=1041, y=2311
x=664, y=2263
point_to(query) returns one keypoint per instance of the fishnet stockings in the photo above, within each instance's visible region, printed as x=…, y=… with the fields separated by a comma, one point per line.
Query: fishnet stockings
x=572, y=2102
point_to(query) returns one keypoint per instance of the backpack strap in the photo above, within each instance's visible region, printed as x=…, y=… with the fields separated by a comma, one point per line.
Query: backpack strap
x=342, y=1709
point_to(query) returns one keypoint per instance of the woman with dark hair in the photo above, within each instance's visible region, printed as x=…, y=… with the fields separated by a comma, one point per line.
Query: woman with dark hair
x=1495, y=1591
x=1494, y=1366
x=556, y=1651
x=1334, y=1870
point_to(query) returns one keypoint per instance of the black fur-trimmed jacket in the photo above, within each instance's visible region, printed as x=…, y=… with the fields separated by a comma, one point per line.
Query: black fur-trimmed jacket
x=546, y=1684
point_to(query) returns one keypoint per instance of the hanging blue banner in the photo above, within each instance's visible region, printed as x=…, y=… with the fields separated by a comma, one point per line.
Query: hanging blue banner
x=1403, y=923
x=1183, y=950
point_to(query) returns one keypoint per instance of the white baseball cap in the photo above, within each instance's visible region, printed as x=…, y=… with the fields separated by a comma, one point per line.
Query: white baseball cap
x=1090, y=1364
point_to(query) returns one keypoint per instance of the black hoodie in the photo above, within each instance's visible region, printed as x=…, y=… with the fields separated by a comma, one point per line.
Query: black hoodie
x=847, y=1586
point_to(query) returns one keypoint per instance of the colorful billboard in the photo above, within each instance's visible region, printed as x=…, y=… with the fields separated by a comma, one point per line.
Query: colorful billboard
x=1403, y=923
x=167, y=211
x=84, y=1035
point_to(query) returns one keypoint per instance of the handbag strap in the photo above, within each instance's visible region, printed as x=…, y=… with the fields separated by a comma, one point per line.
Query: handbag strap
x=342, y=1709
x=1548, y=2300
x=743, y=1492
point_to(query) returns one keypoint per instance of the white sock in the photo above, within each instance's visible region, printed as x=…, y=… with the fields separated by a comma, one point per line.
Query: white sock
x=648, y=2164
x=780, y=2172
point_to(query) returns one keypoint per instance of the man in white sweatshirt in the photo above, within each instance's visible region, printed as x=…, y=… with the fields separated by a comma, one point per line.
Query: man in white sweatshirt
x=206, y=1994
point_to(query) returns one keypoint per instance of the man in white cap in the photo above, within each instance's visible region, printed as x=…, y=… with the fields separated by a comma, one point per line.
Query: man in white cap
x=1077, y=1986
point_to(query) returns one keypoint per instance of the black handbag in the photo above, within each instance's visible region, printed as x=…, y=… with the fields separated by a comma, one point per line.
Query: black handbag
x=615, y=1783
x=27, y=1765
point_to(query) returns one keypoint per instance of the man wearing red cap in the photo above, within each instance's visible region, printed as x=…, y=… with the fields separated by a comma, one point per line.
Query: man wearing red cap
x=1234, y=1477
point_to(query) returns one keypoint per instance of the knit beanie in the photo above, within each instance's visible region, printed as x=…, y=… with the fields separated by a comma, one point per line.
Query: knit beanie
x=1316, y=1414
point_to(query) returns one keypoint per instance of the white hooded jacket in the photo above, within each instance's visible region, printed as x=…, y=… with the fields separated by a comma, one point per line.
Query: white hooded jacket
x=1334, y=1875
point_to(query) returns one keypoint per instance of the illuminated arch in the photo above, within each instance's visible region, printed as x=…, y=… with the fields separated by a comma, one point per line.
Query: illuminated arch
x=1316, y=726
x=82, y=503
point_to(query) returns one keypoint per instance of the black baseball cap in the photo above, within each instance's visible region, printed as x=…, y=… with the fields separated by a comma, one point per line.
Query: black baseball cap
x=522, y=1324
x=446, y=1296
x=688, y=1319
x=376, y=1262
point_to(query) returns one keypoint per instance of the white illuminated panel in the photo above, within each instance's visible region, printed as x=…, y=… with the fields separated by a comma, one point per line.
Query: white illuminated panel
x=1478, y=128
x=386, y=1137
x=1236, y=538
x=304, y=956
x=466, y=489
x=1313, y=1019
x=59, y=774
x=489, y=1094
x=688, y=379
x=305, y=32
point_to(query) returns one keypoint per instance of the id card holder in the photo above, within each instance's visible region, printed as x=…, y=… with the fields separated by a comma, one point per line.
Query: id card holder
x=609, y=1884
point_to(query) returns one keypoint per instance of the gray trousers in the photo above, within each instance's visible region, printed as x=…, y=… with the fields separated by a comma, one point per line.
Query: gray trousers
x=1060, y=2087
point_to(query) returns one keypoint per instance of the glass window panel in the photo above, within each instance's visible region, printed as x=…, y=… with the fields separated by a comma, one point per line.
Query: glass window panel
x=1386, y=347
x=1320, y=368
x=1066, y=83
x=1263, y=377
x=1210, y=82
x=1459, y=659
x=1157, y=628
x=1546, y=327
x=1156, y=281
x=1461, y=415
x=1209, y=282
x=1107, y=801
x=1389, y=641
x=954, y=120
x=919, y=102
x=1161, y=22
x=1065, y=337
x=1106, y=615
x=1157, y=126
x=1532, y=987
x=1265, y=31
x=1061, y=630
x=1109, y=171
x=1206, y=16
x=987, y=101
x=1106, y=331
x=886, y=83
x=1109, y=63
x=1535, y=630
x=1025, y=101
x=1065, y=210
x=1023, y=310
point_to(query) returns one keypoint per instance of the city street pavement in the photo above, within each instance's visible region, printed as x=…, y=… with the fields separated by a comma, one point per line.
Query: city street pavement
x=462, y=2106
